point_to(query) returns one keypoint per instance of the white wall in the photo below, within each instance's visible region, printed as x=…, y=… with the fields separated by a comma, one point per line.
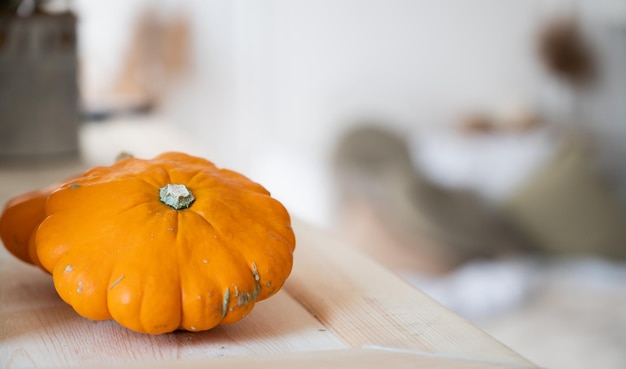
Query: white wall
x=281, y=79
x=303, y=67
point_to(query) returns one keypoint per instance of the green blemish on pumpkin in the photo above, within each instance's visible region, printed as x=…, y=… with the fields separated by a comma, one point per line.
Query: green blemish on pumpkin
x=115, y=282
x=176, y=196
x=74, y=186
x=244, y=299
x=255, y=272
x=225, y=302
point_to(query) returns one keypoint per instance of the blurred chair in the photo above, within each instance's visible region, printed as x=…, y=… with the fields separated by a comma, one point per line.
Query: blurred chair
x=374, y=172
x=569, y=208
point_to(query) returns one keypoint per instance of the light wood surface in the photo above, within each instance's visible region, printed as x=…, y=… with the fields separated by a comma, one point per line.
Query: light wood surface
x=338, y=309
x=368, y=306
x=334, y=359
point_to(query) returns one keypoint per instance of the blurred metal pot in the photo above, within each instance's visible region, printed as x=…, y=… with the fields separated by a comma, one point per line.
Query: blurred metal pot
x=39, y=113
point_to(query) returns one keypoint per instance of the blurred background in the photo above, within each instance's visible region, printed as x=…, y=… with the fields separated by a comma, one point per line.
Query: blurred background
x=475, y=148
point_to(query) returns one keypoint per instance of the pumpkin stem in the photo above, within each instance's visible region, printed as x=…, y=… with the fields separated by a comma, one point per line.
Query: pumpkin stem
x=176, y=196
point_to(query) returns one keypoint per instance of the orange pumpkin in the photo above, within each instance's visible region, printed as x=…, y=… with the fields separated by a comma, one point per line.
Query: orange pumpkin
x=157, y=245
x=20, y=219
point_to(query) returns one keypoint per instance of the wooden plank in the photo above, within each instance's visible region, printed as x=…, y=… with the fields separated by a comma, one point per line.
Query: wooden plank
x=356, y=358
x=37, y=329
x=367, y=305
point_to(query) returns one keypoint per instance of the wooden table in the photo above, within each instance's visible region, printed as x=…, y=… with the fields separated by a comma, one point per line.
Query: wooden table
x=338, y=309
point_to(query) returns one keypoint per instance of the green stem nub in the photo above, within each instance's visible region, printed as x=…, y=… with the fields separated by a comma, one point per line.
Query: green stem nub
x=177, y=196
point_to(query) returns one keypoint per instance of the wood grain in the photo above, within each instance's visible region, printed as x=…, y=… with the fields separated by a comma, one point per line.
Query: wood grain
x=368, y=306
x=335, y=359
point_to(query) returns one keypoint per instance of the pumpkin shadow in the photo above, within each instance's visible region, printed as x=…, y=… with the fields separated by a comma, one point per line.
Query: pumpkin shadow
x=277, y=325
